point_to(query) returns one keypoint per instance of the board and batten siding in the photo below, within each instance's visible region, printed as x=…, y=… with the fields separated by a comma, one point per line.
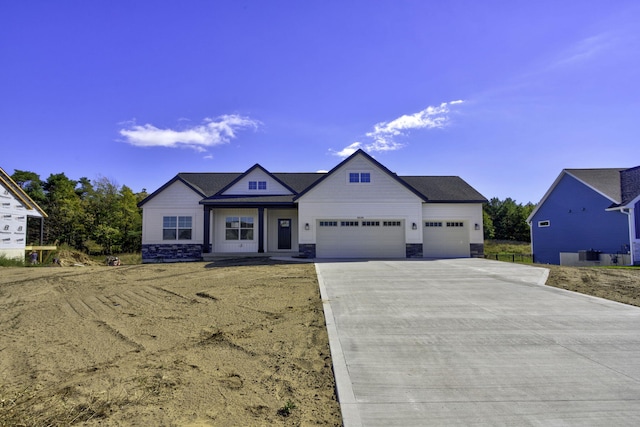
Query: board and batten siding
x=242, y=186
x=271, y=220
x=220, y=244
x=175, y=200
x=470, y=213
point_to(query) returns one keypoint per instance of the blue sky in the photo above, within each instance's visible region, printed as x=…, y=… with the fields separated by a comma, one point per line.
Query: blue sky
x=504, y=94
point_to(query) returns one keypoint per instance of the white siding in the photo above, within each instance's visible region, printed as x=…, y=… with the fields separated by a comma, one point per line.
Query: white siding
x=175, y=200
x=242, y=186
x=13, y=224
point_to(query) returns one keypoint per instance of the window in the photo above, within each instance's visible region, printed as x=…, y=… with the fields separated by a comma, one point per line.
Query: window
x=545, y=223
x=328, y=223
x=239, y=228
x=176, y=227
x=433, y=224
x=391, y=224
x=349, y=223
x=455, y=224
x=371, y=223
x=257, y=185
x=359, y=177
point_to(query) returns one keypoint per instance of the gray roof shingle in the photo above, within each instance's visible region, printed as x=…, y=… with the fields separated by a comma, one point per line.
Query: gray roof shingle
x=606, y=181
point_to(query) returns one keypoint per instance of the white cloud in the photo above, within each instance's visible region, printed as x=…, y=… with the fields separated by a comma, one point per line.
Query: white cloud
x=211, y=133
x=384, y=135
x=348, y=150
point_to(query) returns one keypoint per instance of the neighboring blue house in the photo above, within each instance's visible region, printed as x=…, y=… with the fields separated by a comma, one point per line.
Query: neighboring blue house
x=583, y=213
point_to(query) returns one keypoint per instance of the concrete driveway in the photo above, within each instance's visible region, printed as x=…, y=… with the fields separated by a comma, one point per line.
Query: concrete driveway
x=476, y=342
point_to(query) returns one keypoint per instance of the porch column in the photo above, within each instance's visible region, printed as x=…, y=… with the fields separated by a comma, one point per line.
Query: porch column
x=261, y=230
x=207, y=230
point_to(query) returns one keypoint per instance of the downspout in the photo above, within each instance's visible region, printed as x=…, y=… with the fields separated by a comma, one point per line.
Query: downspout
x=627, y=212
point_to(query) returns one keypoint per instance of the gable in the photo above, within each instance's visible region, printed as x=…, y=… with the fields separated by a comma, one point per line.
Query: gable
x=256, y=182
x=605, y=182
x=176, y=193
x=569, y=195
x=379, y=184
x=9, y=190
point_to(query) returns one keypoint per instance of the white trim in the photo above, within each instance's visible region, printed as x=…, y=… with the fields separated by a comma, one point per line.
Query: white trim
x=541, y=224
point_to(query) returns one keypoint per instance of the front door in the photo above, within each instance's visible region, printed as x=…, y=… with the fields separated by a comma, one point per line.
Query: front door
x=284, y=233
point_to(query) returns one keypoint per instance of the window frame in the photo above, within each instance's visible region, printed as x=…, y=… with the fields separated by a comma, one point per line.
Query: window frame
x=544, y=223
x=257, y=185
x=177, y=227
x=242, y=228
x=359, y=177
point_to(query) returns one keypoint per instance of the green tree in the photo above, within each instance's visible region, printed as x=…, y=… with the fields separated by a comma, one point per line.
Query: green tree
x=66, y=213
x=509, y=219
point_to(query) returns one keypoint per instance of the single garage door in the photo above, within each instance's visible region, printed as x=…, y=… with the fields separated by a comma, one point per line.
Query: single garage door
x=445, y=239
x=348, y=238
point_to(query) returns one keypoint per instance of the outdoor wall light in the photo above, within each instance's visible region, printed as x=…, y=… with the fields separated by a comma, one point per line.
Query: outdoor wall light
x=414, y=226
x=306, y=226
x=477, y=226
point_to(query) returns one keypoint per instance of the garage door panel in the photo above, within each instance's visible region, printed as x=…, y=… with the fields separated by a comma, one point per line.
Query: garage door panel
x=445, y=239
x=367, y=239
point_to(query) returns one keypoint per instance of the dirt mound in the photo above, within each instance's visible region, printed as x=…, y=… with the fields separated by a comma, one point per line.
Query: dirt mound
x=69, y=257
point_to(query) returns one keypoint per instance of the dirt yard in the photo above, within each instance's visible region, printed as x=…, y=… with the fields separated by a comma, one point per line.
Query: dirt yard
x=171, y=344
x=619, y=284
x=241, y=343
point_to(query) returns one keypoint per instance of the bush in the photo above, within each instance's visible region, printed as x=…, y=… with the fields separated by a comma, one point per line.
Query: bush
x=10, y=262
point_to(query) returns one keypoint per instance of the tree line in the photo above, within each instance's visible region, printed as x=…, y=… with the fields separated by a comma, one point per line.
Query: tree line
x=96, y=216
x=507, y=220
x=102, y=217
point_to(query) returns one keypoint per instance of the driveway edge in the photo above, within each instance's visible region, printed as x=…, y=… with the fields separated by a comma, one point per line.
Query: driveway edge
x=344, y=390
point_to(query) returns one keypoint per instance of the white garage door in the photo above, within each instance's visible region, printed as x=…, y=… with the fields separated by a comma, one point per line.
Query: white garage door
x=338, y=238
x=445, y=239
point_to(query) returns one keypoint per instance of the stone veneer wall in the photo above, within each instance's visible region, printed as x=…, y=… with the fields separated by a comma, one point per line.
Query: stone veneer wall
x=414, y=250
x=308, y=250
x=477, y=250
x=171, y=253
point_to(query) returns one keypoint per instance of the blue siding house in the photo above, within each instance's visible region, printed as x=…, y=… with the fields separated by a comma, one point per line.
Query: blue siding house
x=582, y=211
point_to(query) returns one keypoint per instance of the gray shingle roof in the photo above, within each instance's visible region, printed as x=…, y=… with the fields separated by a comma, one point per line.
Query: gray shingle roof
x=444, y=188
x=210, y=184
x=606, y=181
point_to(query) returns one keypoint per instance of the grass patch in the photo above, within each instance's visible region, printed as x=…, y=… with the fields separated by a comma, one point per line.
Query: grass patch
x=10, y=262
x=508, y=250
x=506, y=247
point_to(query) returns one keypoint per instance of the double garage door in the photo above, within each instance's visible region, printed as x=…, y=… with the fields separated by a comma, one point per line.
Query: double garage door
x=337, y=238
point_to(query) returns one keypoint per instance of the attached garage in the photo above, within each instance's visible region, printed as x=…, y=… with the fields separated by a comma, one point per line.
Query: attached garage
x=349, y=238
x=445, y=239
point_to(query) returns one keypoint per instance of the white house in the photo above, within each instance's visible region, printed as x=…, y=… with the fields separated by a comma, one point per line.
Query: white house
x=359, y=209
x=15, y=207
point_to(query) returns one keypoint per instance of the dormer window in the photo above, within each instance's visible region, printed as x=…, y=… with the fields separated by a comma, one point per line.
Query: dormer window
x=257, y=185
x=359, y=177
